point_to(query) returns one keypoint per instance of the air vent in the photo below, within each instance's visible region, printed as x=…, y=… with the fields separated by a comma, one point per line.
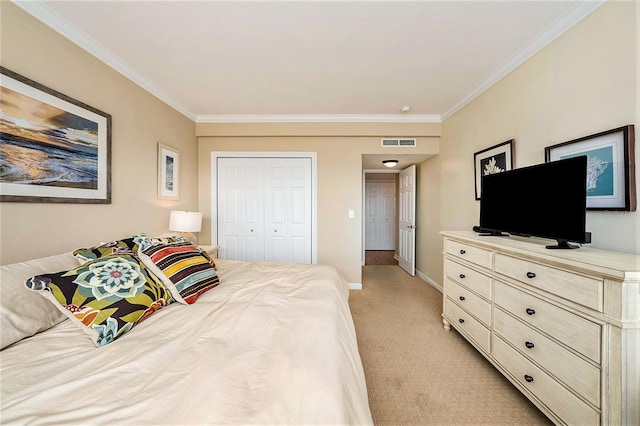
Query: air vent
x=399, y=142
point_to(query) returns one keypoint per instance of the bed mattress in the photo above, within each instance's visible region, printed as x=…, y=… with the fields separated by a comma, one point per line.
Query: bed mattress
x=272, y=344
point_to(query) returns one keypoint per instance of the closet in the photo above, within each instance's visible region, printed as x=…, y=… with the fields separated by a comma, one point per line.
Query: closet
x=264, y=209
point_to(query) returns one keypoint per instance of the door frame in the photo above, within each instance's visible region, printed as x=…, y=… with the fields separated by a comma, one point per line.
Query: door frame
x=266, y=154
x=364, y=235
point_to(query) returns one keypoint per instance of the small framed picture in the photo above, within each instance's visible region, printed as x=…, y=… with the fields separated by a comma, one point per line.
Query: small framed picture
x=495, y=159
x=610, y=167
x=168, y=172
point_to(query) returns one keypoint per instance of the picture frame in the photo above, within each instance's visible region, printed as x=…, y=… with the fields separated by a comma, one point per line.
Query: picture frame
x=495, y=159
x=168, y=172
x=611, y=181
x=54, y=148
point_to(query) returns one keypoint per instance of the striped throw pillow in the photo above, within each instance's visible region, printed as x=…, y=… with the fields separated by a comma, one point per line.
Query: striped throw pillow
x=185, y=269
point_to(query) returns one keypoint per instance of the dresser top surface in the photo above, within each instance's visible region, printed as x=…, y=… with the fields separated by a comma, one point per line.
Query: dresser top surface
x=618, y=264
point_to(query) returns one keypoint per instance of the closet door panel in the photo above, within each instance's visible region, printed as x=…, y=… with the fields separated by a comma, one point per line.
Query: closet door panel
x=288, y=210
x=241, y=208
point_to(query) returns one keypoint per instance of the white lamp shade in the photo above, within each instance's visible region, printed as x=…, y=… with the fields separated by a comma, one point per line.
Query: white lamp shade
x=183, y=221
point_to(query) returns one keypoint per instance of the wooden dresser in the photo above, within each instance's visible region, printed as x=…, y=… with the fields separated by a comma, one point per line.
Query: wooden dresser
x=562, y=325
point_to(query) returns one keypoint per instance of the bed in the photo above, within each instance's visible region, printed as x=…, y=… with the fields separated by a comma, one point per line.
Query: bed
x=272, y=343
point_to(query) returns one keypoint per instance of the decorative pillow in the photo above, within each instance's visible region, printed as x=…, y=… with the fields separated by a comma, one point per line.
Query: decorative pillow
x=24, y=313
x=124, y=246
x=144, y=242
x=184, y=268
x=129, y=245
x=106, y=297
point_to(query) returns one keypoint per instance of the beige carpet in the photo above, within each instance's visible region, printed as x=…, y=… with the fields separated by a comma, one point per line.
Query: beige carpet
x=418, y=373
x=379, y=257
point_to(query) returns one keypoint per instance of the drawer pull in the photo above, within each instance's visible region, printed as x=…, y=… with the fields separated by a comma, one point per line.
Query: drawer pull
x=462, y=252
x=528, y=378
x=462, y=298
x=529, y=345
x=530, y=311
x=461, y=321
x=531, y=275
x=462, y=276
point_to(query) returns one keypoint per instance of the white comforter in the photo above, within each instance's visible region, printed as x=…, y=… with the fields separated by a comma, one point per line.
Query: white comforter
x=272, y=344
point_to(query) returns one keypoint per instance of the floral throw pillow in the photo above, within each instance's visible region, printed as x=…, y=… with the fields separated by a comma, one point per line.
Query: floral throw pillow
x=124, y=246
x=106, y=297
x=184, y=268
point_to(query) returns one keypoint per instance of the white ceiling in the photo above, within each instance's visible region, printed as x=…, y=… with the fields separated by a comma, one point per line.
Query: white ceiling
x=313, y=60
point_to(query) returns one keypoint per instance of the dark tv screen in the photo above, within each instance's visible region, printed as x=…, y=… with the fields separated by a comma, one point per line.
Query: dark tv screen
x=547, y=200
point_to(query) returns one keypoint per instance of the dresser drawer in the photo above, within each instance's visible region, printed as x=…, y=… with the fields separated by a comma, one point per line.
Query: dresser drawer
x=571, y=409
x=577, y=288
x=470, y=253
x=574, y=331
x=468, y=325
x=574, y=371
x=467, y=300
x=471, y=279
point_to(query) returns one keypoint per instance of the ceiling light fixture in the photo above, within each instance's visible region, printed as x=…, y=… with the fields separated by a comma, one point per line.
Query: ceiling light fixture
x=405, y=108
x=390, y=163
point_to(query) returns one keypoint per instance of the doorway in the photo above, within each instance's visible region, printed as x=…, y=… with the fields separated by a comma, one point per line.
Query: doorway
x=404, y=221
x=380, y=218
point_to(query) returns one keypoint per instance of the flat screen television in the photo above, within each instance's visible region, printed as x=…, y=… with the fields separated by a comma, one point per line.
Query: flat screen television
x=547, y=200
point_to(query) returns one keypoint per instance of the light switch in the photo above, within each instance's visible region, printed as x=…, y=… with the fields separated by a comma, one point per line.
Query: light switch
x=352, y=214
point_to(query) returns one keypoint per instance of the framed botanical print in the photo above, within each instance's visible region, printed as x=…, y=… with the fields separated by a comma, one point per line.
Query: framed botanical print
x=610, y=167
x=495, y=159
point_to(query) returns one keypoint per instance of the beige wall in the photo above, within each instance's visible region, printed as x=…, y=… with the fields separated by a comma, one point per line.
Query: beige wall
x=139, y=122
x=584, y=82
x=339, y=155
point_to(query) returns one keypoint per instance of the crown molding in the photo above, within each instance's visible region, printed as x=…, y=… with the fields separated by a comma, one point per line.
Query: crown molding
x=580, y=11
x=319, y=118
x=39, y=10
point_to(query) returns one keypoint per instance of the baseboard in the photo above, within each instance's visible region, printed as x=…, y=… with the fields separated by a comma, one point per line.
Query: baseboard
x=429, y=281
x=355, y=286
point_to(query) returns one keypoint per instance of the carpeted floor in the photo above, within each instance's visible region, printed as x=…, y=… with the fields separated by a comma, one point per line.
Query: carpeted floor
x=418, y=373
x=379, y=257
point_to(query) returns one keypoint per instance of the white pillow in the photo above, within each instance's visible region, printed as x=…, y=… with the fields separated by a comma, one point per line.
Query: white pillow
x=24, y=313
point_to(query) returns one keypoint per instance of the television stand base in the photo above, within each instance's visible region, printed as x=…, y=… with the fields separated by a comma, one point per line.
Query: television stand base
x=563, y=245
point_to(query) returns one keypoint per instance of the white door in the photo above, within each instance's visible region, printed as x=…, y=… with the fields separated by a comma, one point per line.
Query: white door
x=241, y=208
x=407, y=220
x=288, y=210
x=264, y=209
x=380, y=216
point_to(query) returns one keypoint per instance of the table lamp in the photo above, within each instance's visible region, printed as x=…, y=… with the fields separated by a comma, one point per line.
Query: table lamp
x=186, y=223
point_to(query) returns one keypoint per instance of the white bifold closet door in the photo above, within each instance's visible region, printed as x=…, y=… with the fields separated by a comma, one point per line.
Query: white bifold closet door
x=380, y=216
x=264, y=209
